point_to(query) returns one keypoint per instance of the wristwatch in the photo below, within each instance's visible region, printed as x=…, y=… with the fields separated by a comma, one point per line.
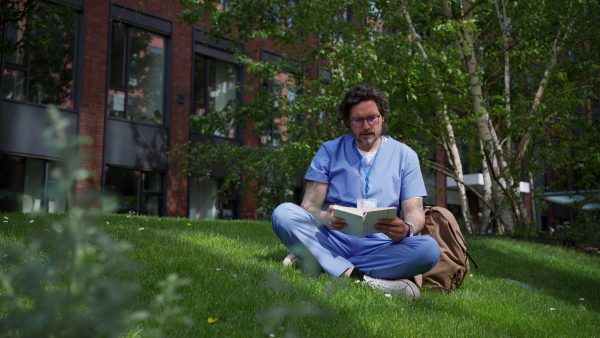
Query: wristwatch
x=411, y=230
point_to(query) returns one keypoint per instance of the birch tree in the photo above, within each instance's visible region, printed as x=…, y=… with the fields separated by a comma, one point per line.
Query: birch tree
x=501, y=80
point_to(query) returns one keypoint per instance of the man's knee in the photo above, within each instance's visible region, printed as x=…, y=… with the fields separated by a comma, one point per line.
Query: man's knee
x=283, y=211
x=430, y=250
x=285, y=215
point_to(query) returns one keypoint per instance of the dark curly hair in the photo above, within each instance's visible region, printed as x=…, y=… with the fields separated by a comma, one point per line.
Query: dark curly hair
x=359, y=93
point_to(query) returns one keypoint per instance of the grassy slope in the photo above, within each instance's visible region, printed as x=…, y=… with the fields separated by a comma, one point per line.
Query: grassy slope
x=237, y=277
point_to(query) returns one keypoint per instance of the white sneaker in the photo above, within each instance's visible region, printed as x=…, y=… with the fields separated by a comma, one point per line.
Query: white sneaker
x=401, y=287
x=291, y=260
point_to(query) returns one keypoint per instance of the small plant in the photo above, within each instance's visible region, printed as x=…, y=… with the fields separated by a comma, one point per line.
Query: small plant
x=66, y=281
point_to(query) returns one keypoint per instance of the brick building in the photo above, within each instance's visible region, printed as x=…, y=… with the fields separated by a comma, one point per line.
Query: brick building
x=128, y=75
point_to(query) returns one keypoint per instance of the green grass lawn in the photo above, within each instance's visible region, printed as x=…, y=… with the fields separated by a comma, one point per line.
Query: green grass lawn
x=522, y=289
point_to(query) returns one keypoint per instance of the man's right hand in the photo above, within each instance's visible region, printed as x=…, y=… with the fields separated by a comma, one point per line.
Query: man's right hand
x=334, y=223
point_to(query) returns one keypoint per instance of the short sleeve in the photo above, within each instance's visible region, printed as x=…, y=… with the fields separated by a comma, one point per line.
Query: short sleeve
x=412, y=178
x=319, y=167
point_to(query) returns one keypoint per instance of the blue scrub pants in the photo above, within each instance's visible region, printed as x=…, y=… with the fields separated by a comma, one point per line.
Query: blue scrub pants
x=375, y=255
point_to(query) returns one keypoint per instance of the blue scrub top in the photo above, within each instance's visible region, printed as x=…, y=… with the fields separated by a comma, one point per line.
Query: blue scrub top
x=396, y=175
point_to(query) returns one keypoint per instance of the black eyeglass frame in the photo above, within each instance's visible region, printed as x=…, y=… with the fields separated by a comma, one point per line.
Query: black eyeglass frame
x=360, y=121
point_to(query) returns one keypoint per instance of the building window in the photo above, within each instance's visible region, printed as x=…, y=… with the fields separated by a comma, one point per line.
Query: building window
x=282, y=84
x=136, y=191
x=215, y=90
x=25, y=185
x=137, y=74
x=205, y=201
x=42, y=72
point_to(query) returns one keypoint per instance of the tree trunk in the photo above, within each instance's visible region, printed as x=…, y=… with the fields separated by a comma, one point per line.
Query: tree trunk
x=507, y=205
x=487, y=196
x=450, y=145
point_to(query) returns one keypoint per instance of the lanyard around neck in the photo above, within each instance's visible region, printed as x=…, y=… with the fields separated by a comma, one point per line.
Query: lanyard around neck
x=362, y=164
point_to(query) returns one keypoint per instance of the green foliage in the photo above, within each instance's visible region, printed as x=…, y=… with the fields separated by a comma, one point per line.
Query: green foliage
x=560, y=128
x=65, y=277
x=31, y=18
x=59, y=285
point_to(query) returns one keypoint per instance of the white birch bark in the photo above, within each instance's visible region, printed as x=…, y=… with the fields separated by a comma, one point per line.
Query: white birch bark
x=450, y=145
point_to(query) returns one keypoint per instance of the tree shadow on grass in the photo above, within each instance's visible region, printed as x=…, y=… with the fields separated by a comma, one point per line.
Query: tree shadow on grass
x=552, y=273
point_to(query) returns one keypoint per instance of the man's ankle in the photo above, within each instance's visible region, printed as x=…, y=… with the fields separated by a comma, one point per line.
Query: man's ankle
x=356, y=273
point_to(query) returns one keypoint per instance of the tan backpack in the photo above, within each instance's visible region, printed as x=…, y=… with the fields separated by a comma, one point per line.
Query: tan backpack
x=451, y=270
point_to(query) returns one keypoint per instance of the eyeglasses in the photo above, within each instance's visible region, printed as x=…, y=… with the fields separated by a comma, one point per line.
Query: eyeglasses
x=360, y=121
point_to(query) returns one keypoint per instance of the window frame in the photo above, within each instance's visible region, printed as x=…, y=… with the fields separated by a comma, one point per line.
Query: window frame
x=218, y=50
x=77, y=7
x=131, y=17
x=45, y=180
x=142, y=193
x=296, y=72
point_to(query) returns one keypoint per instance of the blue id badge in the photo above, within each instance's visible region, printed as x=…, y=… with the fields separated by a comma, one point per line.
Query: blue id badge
x=366, y=203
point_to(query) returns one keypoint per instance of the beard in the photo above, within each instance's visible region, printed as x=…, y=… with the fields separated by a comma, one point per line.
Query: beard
x=368, y=142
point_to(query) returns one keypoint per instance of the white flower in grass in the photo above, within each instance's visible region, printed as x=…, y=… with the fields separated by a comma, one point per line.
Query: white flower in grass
x=4, y=221
x=141, y=228
x=388, y=295
x=107, y=223
x=5, y=217
x=581, y=298
x=218, y=269
x=31, y=221
x=552, y=309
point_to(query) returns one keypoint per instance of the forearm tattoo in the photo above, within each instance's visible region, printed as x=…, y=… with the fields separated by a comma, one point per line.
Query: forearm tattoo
x=313, y=199
x=417, y=216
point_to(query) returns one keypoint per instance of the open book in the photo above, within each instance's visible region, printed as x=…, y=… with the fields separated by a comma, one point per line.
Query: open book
x=360, y=222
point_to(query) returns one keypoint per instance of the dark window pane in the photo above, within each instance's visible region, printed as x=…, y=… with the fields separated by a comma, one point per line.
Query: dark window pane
x=12, y=179
x=25, y=187
x=145, y=94
x=152, y=205
x=51, y=65
x=136, y=75
x=124, y=184
x=117, y=55
x=56, y=192
x=13, y=81
x=14, y=36
x=199, y=80
x=152, y=181
x=214, y=89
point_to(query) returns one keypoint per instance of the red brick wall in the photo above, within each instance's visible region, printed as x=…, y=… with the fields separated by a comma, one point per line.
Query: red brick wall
x=93, y=107
x=92, y=114
x=250, y=198
x=177, y=204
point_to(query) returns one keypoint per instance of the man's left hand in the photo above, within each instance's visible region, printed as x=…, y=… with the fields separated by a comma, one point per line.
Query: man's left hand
x=395, y=229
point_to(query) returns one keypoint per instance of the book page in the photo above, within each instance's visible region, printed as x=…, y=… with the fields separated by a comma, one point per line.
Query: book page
x=354, y=218
x=360, y=222
x=372, y=215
